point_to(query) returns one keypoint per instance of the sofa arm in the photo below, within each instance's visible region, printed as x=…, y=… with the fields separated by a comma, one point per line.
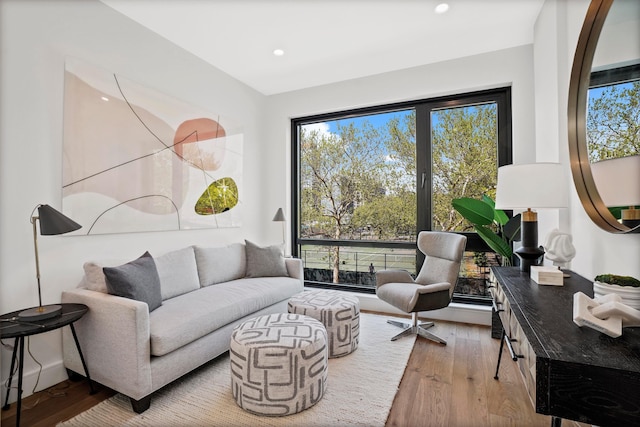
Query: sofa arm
x=294, y=268
x=115, y=340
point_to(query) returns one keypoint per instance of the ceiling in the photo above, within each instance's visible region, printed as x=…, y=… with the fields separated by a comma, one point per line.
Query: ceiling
x=327, y=41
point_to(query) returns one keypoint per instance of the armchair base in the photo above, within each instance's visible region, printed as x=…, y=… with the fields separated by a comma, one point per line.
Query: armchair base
x=415, y=328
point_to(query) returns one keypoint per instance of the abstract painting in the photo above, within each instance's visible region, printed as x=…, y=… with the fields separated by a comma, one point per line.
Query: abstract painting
x=137, y=160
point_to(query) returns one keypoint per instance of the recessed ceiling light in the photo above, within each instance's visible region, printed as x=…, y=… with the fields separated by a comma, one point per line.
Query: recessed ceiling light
x=104, y=98
x=278, y=52
x=442, y=8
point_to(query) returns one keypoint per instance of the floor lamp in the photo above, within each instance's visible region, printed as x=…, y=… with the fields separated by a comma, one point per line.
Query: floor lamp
x=527, y=186
x=52, y=223
x=279, y=217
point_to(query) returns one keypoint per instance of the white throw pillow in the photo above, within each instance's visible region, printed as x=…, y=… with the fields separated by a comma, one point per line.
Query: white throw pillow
x=178, y=272
x=220, y=264
x=94, y=278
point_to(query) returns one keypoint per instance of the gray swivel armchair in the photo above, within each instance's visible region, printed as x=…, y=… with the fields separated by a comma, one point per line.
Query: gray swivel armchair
x=432, y=288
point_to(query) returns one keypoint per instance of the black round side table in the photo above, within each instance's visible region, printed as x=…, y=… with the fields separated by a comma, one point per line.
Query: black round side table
x=12, y=327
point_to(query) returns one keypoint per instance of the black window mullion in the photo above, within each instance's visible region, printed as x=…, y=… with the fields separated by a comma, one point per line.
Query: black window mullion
x=423, y=168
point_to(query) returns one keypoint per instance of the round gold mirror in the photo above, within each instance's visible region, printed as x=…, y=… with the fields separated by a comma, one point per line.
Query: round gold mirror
x=603, y=195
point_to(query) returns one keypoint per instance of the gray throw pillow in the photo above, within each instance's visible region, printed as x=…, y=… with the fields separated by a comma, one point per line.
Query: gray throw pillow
x=136, y=280
x=265, y=261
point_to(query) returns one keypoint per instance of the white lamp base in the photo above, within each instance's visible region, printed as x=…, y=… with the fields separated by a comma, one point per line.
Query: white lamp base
x=40, y=313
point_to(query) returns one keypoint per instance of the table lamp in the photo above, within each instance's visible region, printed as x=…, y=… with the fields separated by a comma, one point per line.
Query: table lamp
x=52, y=223
x=527, y=186
x=279, y=217
x=618, y=183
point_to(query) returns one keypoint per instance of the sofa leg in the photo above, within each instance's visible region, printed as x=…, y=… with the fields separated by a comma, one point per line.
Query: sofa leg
x=139, y=406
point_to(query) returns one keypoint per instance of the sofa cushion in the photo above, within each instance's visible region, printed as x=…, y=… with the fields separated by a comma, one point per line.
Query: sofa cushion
x=136, y=280
x=188, y=317
x=220, y=264
x=265, y=261
x=178, y=272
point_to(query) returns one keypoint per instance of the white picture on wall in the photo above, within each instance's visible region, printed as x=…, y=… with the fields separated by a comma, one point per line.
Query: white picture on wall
x=136, y=160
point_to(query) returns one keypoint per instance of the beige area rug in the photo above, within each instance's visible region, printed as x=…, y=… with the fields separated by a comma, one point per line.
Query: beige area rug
x=360, y=391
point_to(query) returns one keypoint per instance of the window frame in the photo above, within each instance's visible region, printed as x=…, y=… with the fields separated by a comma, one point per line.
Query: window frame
x=423, y=107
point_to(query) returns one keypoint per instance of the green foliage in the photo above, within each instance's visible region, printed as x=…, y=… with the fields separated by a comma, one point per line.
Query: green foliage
x=485, y=219
x=401, y=143
x=613, y=122
x=220, y=196
x=480, y=259
x=614, y=279
x=339, y=171
x=464, y=157
x=388, y=216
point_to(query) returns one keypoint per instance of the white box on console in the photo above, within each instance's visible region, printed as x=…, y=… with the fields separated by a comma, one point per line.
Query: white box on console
x=546, y=275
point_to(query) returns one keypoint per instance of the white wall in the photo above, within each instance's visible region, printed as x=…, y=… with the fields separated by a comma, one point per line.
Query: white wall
x=36, y=37
x=556, y=36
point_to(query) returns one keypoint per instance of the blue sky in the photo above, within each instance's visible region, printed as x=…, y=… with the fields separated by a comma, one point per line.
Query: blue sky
x=376, y=120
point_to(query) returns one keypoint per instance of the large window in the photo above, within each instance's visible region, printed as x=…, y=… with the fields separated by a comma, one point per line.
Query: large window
x=367, y=181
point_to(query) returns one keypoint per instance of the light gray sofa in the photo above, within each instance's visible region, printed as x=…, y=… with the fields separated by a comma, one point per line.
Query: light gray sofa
x=206, y=292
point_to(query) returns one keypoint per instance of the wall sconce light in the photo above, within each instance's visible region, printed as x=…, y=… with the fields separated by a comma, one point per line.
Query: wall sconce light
x=527, y=186
x=52, y=223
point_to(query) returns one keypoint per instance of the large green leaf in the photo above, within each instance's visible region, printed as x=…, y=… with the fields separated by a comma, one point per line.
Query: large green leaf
x=498, y=215
x=475, y=211
x=511, y=229
x=616, y=211
x=496, y=243
x=488, y=200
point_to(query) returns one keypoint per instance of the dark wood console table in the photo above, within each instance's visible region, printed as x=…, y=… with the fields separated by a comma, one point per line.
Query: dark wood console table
x=570, y=372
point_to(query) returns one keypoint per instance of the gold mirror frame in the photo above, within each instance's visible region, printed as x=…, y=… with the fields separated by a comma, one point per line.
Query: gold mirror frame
x=577, y=118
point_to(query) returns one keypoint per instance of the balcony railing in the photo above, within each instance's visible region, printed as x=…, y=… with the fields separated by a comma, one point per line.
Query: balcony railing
x=357, y=267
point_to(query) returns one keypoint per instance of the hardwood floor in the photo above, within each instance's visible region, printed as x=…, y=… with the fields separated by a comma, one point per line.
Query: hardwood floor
x=453, y=385
x=448, y=385
x=55, y=404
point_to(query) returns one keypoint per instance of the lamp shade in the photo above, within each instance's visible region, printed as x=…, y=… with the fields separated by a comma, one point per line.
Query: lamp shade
x=618, y=180
x=279, y=217
x=533, y=185
x=53, y=222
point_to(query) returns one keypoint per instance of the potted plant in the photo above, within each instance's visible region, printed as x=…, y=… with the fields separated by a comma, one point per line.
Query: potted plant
x=483, y=215
x=626, y=286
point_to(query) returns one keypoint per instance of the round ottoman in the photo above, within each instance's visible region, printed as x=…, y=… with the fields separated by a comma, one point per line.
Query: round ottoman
x=339, y=313
x=278, y=364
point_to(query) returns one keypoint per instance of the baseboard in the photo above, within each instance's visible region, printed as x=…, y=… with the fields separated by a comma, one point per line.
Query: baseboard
x=51, y=374
x=455, y=312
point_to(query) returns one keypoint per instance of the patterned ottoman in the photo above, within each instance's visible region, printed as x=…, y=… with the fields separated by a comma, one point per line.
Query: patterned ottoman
x=278, y=364
x=339, y=313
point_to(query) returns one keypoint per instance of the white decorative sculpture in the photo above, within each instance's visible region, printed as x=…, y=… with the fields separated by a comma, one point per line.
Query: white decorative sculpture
x=605, y=314
x=559, y=248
